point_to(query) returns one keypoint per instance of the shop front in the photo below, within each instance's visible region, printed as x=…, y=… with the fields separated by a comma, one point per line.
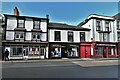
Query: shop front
x=63, y=50
x=105, y=50
x=26, y=51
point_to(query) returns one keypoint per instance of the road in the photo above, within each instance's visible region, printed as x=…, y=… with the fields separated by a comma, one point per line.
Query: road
x=61, y=69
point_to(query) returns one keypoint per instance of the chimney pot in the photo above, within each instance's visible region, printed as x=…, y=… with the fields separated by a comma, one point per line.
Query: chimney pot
x=47, y=16
x=16, y=12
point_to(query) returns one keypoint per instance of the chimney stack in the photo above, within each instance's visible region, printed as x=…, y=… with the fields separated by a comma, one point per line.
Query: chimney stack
x=16, y=12
x=47, y=16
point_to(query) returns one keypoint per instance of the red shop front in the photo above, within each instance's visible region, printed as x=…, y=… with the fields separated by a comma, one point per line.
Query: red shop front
x=98, y=49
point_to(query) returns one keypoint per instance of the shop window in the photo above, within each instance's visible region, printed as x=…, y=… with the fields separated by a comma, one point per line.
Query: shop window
x=21, y=23
x=55, y=52
x=36, y=24
x=16, y=51
x=82, y=36
x=19, y=35
x=110, y=51
x=99, y=50
x=57, y=36
x=98, y=25
x=72, y=52
x=36, y=36
x=70, y=36
x=34, y=51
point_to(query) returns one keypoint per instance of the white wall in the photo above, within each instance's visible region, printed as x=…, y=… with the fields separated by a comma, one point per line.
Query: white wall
x=94, y=34
x=11, y=24
x=28, y=24
x=43, y=26
x=9, y=35
x=28, y=36
x=43, y=36
x=64, y=35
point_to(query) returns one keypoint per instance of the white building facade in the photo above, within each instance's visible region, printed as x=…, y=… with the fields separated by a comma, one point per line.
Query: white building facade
x=102, y=35
x=26, y=37
x=64, y=40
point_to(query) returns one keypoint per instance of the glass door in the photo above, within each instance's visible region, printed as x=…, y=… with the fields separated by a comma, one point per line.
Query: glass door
x=42, y=52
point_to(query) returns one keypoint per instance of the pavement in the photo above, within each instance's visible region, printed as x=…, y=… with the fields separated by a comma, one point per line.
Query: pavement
x=63, y=59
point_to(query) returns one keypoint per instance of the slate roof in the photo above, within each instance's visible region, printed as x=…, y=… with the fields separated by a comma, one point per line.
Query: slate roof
x=117, y=16
x=65, y=26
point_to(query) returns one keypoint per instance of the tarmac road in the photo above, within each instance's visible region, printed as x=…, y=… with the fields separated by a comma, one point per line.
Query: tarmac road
x=61, y=69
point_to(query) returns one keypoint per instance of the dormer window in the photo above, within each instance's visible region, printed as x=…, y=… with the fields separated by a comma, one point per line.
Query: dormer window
x=36, y=25
x=98, y=25
x=21, y=23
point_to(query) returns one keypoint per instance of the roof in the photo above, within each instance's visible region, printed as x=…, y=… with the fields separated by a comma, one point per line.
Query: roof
x=24, y=17
x=117, y=16
x=96, y=16
x=65, y=27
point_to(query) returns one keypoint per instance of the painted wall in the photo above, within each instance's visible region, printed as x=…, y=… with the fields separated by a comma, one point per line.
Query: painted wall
x=64, y=35
x=12, y=24
x=91, y=24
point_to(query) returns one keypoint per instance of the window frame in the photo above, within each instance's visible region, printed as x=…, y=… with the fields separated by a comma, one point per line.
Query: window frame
x=118, y=24
x=118, y=36
x=18, y=33
x=98, y=27
x=57, y=35
x=37, y=24
x=82, y=37
x=18, y=23
x=70, y=37
x=108, y=37
x=108, y=27
x=36, y=36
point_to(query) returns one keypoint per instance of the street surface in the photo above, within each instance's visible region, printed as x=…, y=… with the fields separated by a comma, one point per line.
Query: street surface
x=61, y=69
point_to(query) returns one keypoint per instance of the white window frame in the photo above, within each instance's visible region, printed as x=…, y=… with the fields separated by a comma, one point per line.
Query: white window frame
x=19, y=34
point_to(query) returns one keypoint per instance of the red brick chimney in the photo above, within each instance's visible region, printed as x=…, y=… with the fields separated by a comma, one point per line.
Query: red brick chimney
x=16, y=12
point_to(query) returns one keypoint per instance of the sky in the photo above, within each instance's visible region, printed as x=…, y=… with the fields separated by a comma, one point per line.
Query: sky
x=65, y=12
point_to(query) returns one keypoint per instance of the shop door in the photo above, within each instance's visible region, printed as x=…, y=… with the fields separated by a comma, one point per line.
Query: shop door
x=42, y=52
x=105, y=52
x=63, y=52
x=85, y=51
x=82, y=51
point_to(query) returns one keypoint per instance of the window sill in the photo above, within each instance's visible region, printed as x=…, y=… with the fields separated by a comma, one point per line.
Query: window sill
x=20, y=29
x=36, y=30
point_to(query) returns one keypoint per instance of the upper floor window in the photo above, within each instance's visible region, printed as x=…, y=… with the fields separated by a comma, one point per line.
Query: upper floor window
x=36, y=25
x=118, y=36
x=107, y=25
x=118, y=24
x=106, y=37
x=98, y=25
x=82, y=36
x=36, y=36
x=101, y=36
x=21, y=23
x=57, y=36
x=70, y=36
x=19, y=35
